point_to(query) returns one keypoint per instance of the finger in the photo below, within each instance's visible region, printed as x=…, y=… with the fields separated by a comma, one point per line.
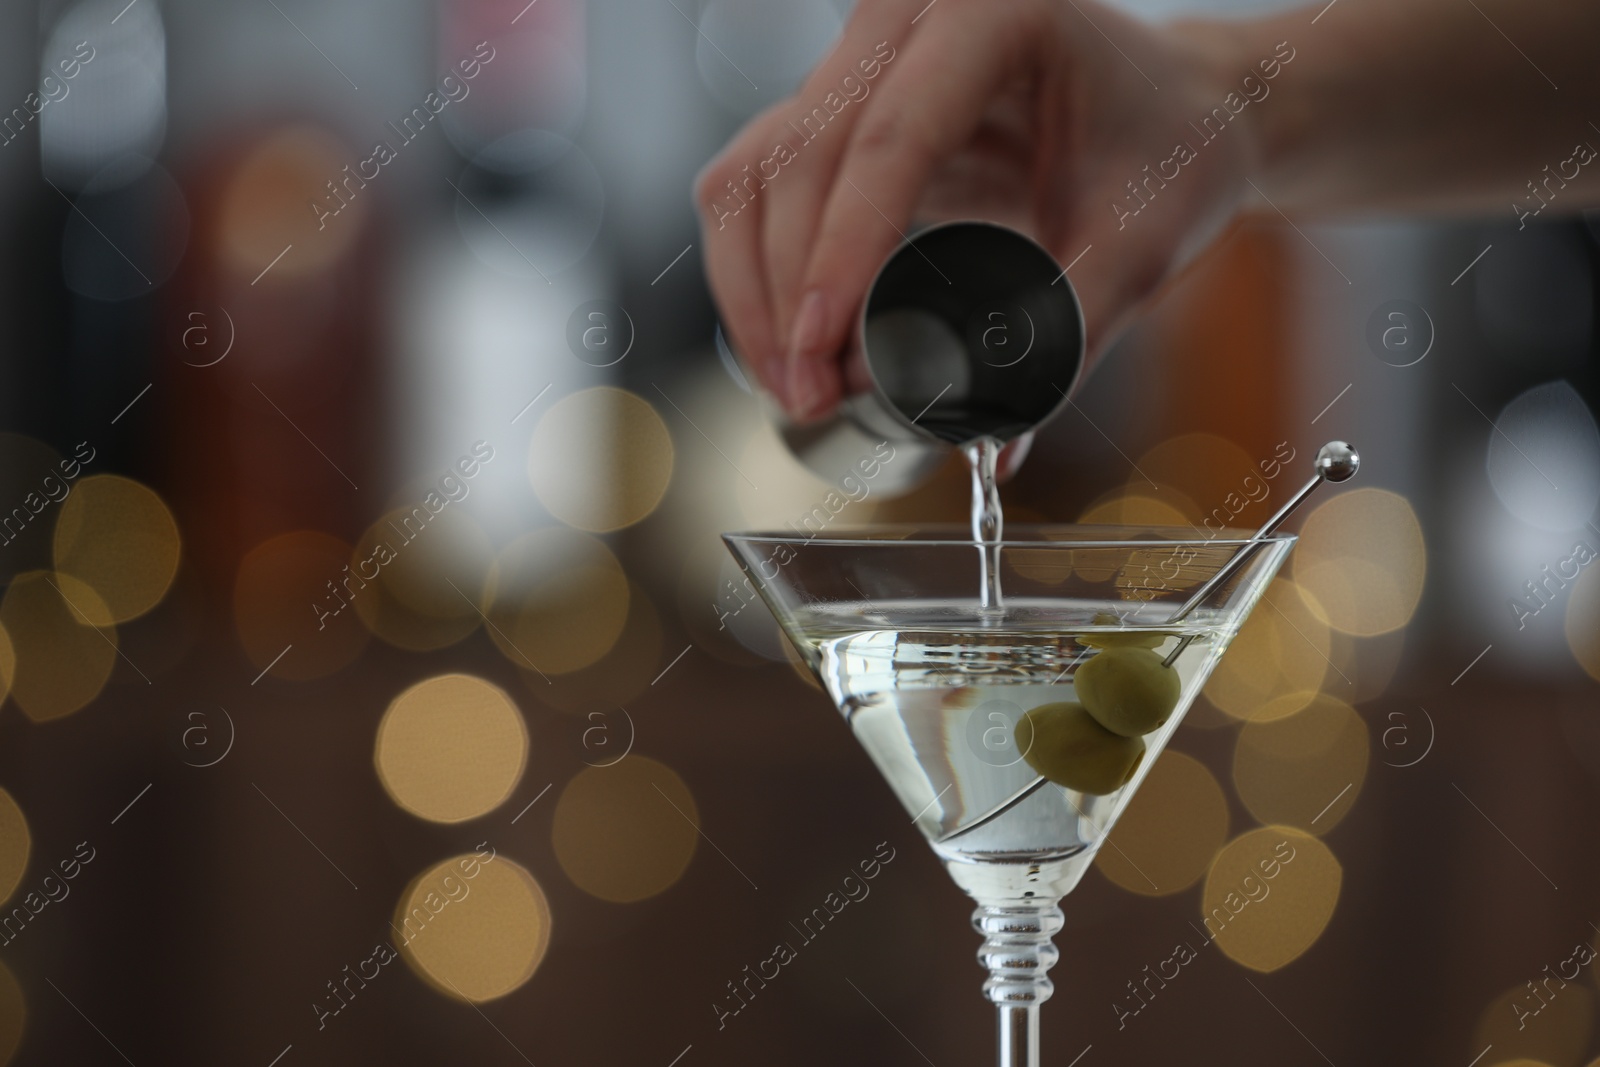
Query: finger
x=818, y=122
x=1011, y=456
x=731, y=230
x=927, y=108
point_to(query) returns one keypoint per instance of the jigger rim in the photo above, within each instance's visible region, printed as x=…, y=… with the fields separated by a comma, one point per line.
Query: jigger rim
x=858, y=340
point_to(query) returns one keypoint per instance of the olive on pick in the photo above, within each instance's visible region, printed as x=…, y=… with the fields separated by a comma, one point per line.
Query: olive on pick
x=1129, y=639
x=1127, y=690
x=1063, y=743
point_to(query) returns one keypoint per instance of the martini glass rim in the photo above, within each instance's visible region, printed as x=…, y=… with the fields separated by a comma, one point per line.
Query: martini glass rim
x=960, y=536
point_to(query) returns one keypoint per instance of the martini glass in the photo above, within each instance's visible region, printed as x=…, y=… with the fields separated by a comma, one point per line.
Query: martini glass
x=972, y=705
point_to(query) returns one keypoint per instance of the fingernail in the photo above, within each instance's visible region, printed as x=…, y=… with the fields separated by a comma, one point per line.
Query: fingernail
x=810, y=325
x=805, y=389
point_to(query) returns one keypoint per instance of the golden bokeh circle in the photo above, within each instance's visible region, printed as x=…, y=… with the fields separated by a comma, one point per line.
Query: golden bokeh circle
x=611, y=488
x=1554, y=1028
x=474, y=937
x=625, y=832
x=1303, y=770
x=1164, y=841
x=118, y=536
x=13, y=1014
x=770, y=487
x=8, y=663
x=295, y=590
x=1362, y=558
x=451, y=748
x=1583, y=621
x=1280, y=655
x=625, y=671
x=1268, y=896
x=1215, y=473
x=428, y=573
x=15, y=845
x=64, y=642
x=1049, y=566
x=557, y=599
x=1134, y=509
x=265, y=197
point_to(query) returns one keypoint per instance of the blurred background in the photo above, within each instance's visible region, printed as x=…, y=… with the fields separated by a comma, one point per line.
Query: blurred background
x=377, y=688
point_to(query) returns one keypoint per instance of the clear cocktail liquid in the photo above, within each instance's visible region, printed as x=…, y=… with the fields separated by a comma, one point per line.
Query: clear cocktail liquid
x=936, y=708
x=934, y=691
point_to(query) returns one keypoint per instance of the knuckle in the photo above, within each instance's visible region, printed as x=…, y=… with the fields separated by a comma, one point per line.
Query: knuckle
x=886, y=133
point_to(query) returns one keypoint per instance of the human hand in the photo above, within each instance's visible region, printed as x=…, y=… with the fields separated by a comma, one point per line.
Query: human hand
x=1039, y=114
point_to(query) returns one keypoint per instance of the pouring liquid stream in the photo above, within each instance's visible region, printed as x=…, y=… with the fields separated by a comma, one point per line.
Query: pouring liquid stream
x=988, y=523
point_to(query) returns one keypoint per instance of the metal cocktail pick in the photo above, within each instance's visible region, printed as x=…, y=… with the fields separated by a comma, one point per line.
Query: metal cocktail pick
x=1337, y=461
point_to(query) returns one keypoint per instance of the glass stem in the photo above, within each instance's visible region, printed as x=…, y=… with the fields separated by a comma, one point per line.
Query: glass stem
x=1018, y=951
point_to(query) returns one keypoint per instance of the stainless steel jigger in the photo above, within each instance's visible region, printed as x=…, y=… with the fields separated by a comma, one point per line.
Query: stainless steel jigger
x=1336, y=461
x=968, y=330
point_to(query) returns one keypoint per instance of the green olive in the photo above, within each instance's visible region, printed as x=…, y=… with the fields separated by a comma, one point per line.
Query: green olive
x=1127, y=690
x=1064, y=744
x=1130, y=639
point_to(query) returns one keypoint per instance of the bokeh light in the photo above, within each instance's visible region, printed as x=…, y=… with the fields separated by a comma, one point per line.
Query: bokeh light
x=118, y=536
x=624, y=672
x=8, y=663
x=631, y=476
x=474, y=936
x=134, y=203
x=1052, y=566
x=1134, y=509
x=557, y=600
x=15, y=845
x=13, y=1014
x=773, y=490
x=429, y=578
x=292, y=592
x=1168, y=571
x=1544, y=458
x=451, y=748
x=1165, y=839
x=1583, y=621
x=116, y=106
x=1362, y=558
x=1208, y=477
x=1277, y=661
x=64, y=641
x=264, y=206
x=1553, y=1027
x=625, y=832
x=1304, y=770
x=1269, y=895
